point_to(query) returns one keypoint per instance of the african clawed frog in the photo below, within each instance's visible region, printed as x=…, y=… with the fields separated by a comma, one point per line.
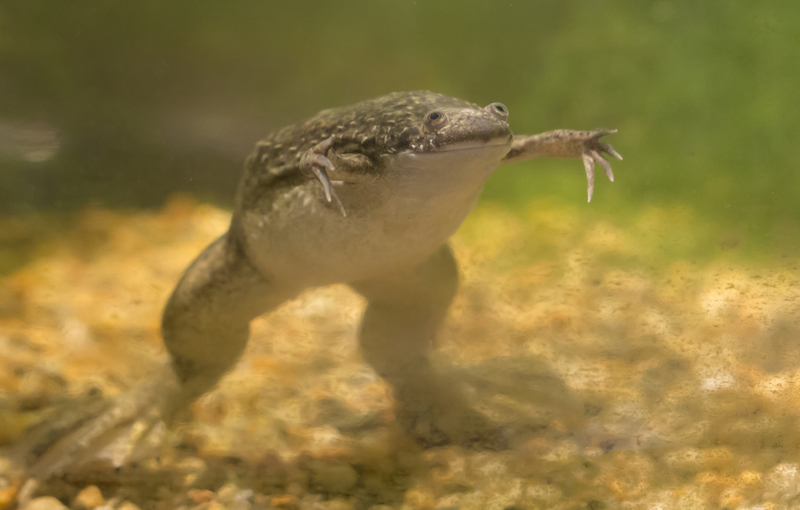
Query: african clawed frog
x=366, y=195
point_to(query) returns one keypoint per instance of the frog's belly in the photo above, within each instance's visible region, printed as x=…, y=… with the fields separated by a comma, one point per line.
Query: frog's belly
x=392, y=222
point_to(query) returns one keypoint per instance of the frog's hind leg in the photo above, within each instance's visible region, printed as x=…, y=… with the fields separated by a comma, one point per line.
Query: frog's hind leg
x=206, y=322
x=405, y=311
x=205, y=328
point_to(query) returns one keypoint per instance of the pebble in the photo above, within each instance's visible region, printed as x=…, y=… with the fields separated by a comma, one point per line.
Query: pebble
x=339, y=504
x=201, y=496
x=111, y=504
x=234, y=498
x=7, y=496
x=226, y=493
x=338, y=478
x=127, y=505
x=45, y=503
x=191, y=464
x=285, y=501
x=89, y=497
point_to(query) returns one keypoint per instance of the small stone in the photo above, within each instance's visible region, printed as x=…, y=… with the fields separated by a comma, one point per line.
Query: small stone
x=340, y=504
x=45, y=503
x=89, y=497
x=127, y=505
x=242, y=500
x=337, y=478
x=201, y=496
x=261, y=499
x=110, y=504
x=7, y=495
x=286, y=501
x=190, y=465
x=226, y=493
x=782, y=481
x=26, y=492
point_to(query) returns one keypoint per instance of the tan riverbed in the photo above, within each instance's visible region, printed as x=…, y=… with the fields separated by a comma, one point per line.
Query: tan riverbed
x=630, y=379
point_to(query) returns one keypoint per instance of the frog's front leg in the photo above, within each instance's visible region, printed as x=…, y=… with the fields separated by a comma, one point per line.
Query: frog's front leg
x=345, y=167
x=405, y=311
x=314, y=162
x=565, y=143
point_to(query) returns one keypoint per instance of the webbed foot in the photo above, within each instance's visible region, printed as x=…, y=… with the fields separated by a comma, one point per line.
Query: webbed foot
x=315, y=162
x=114, y=430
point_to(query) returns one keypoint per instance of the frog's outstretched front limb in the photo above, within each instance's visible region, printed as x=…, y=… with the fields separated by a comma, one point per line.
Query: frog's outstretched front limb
x=405, y=310
x=565, y=143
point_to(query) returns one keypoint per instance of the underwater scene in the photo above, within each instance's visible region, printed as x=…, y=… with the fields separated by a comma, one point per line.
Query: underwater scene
x=308, y=256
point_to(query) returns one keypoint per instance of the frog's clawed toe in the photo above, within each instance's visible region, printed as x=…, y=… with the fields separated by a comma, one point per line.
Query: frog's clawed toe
x=592, y=153
x=467, y=428
x=110, y=431
x=315, y=162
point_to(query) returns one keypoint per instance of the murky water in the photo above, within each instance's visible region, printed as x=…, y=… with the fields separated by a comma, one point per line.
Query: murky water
x=641, y=351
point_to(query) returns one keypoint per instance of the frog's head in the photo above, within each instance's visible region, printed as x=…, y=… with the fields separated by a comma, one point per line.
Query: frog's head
x=415, y=123
x=425, y=122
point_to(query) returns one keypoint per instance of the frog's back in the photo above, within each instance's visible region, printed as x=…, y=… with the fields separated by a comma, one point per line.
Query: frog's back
x=384, y=125
x=415, y=199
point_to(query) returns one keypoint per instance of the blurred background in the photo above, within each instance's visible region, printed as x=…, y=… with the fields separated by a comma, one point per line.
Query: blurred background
x=646, y=343
x=123, y=103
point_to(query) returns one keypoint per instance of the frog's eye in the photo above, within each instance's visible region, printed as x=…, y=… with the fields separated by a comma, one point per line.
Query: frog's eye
x=499, y=110
x=435, y=119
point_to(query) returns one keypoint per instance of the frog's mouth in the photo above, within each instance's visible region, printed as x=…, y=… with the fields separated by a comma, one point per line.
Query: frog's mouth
x=467, y=148
x=485, y=140
x=460, y=159
x=473, y=145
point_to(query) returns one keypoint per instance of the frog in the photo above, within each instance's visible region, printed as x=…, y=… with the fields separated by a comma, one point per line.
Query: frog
x=366, y=195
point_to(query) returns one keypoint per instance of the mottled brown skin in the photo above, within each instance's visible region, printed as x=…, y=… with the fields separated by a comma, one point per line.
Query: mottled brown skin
x=366, y=195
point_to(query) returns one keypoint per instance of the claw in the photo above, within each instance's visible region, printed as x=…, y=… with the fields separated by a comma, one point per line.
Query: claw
x=316, y=162
x=322, y=177
x=338, y=203
x=114, y=430
x=606, y=166
x=610, y=150
x=588, y=164
x=593, y=154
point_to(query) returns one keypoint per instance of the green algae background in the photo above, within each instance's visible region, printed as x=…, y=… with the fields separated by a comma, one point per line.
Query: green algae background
x=645, y=345
x=148, y=98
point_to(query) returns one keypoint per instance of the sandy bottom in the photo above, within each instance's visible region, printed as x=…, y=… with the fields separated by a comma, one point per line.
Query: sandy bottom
x=632, y=380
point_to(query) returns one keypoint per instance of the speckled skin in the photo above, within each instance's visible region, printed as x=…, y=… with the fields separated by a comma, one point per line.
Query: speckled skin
x=404, y=187
x=366, y=195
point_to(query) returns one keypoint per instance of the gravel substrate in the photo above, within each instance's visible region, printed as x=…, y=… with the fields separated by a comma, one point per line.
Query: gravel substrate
x=626, y=379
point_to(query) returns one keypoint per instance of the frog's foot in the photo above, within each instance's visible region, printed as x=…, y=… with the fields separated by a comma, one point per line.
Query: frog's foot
x=436, y=412
x=464, y=427
x=114, y=430
x=315, y=162
x=592, y=153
